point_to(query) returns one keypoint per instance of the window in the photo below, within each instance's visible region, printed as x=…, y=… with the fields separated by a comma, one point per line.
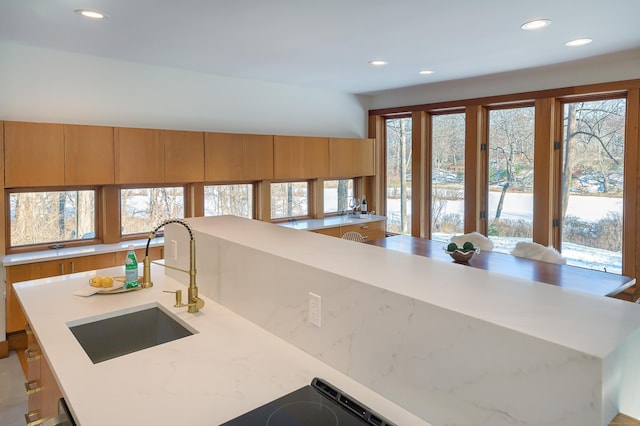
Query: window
x=447, y=176
x=235, y=200
x=289, y=199
x=142, y=209
x=46, y=217
x=510, y=198
x=592, y=183
x=338, y=195
x=398, y=188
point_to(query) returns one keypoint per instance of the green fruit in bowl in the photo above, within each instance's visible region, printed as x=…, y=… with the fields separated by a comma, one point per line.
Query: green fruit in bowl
x=468, y=246
x=452, y=247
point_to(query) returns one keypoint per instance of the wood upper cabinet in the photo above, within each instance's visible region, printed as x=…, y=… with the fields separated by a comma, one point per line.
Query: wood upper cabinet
x=223, y=157
x=300, y=157
x=184, y=156
x=34, y=154
x=88, y=155
x=351, y=157
x=257, y=157
x=139, y=156
x=237, y=157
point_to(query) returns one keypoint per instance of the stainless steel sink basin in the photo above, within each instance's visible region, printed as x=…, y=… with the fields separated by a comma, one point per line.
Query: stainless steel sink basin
x=124, y=332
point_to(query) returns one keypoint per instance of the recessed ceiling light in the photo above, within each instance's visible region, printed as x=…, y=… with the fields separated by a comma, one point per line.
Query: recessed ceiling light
x=578, y=42
x=426, y=72
x=378, y=62
x=536, y=24
x=91, y=14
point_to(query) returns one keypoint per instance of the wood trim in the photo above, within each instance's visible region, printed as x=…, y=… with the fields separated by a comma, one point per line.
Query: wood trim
x=3, y=200
x=109, y=207
x=630, y=237
x=609, y=87
x=475, y=170
x=375, y=185
x=421, y=168
x=544, y=171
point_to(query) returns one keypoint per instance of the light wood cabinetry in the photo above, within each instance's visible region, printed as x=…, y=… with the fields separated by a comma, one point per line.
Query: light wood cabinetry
x=42, y=389
x=155, y=253
x=184, y=156
x=236, y=157
x=34, y=154
x=299, y=157
x=88, y=155
x=31, y=271
x=369, y=230
x=351, y=157
x=139, y=156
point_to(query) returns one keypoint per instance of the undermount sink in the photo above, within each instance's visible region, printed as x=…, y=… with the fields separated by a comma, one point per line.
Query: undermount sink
x=124, y=332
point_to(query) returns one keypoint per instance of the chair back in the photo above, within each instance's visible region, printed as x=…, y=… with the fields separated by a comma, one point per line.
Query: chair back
x=353, y=236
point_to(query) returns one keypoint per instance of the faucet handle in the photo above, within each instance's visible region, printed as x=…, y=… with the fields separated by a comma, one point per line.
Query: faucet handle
x=178, y=293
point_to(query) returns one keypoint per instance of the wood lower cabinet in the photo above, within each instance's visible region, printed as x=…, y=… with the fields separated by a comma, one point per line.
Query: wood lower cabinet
x=369, y=230
x=42, y=389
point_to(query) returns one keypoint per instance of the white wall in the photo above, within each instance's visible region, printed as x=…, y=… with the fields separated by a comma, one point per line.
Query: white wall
x=52, y=86
x=614, y=67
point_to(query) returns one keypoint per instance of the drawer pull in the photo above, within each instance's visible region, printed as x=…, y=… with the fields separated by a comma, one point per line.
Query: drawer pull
x=365, y=236
x=28, y=329
x=73, y=267
x=33, y=418
x=32, y=355
x=32, y=386
x=62, y=269
x=365, y=227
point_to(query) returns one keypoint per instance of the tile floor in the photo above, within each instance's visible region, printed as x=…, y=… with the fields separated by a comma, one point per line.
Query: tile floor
x=13, y=398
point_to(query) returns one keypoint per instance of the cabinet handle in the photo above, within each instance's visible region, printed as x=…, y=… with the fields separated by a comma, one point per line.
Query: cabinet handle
x=28, y=329
x=33, y=418
x=62, y=269
x=365, y=227
x=32, y=386
x=32, y=355
x=365, y=236
x=73, y=267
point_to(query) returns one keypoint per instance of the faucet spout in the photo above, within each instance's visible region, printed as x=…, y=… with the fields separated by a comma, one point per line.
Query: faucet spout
x=194, y=303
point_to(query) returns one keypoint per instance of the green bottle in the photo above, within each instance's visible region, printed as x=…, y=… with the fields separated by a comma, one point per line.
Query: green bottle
x=131, y=269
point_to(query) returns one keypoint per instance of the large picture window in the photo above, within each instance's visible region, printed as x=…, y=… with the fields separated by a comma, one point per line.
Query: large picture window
x=592, y=183
x=398, y=188
x=447, y=176
x=511, y=147
x=142, y=209
x=46, y=217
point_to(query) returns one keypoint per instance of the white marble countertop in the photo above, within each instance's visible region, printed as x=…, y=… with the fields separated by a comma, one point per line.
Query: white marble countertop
x=229, y=367
x=330, y=222
x=69, y=252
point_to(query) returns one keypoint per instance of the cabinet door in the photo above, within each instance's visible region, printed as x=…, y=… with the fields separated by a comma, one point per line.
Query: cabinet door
x=139, y=156
x=15, y=316
x=223, y=157
x=89, y=158
x=257, y=157
x=300, y=157
x=34, y=154
x=332, y=232
x=184, y=156
x=89, y=263
x=351, y=157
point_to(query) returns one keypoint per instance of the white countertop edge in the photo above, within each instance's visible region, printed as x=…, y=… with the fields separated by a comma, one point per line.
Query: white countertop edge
x=69, y=252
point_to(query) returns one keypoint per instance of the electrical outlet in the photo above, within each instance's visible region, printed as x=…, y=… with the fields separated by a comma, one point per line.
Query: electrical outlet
x=174, y=249
x=315, y=309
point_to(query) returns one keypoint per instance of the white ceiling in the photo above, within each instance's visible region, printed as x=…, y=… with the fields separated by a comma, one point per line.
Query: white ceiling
x=327, y=44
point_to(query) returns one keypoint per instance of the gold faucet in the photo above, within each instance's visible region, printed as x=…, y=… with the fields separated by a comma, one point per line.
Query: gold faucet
x=194, y=303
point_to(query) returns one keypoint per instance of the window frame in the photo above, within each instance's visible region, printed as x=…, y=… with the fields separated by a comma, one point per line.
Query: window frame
x=9, y=249
x=254, y=195
x=311, y=204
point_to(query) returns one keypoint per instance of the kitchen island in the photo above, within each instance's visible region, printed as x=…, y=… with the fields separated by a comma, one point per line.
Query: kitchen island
x=229, y=367
x=448, y=344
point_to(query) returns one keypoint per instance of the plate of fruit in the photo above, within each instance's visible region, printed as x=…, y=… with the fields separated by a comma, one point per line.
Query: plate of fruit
x=461, y=254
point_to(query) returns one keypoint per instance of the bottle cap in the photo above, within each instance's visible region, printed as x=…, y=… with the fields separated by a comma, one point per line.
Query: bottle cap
x=130, y=247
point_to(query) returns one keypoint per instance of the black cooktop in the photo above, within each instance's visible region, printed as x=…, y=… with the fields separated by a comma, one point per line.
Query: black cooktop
x=318, y=404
